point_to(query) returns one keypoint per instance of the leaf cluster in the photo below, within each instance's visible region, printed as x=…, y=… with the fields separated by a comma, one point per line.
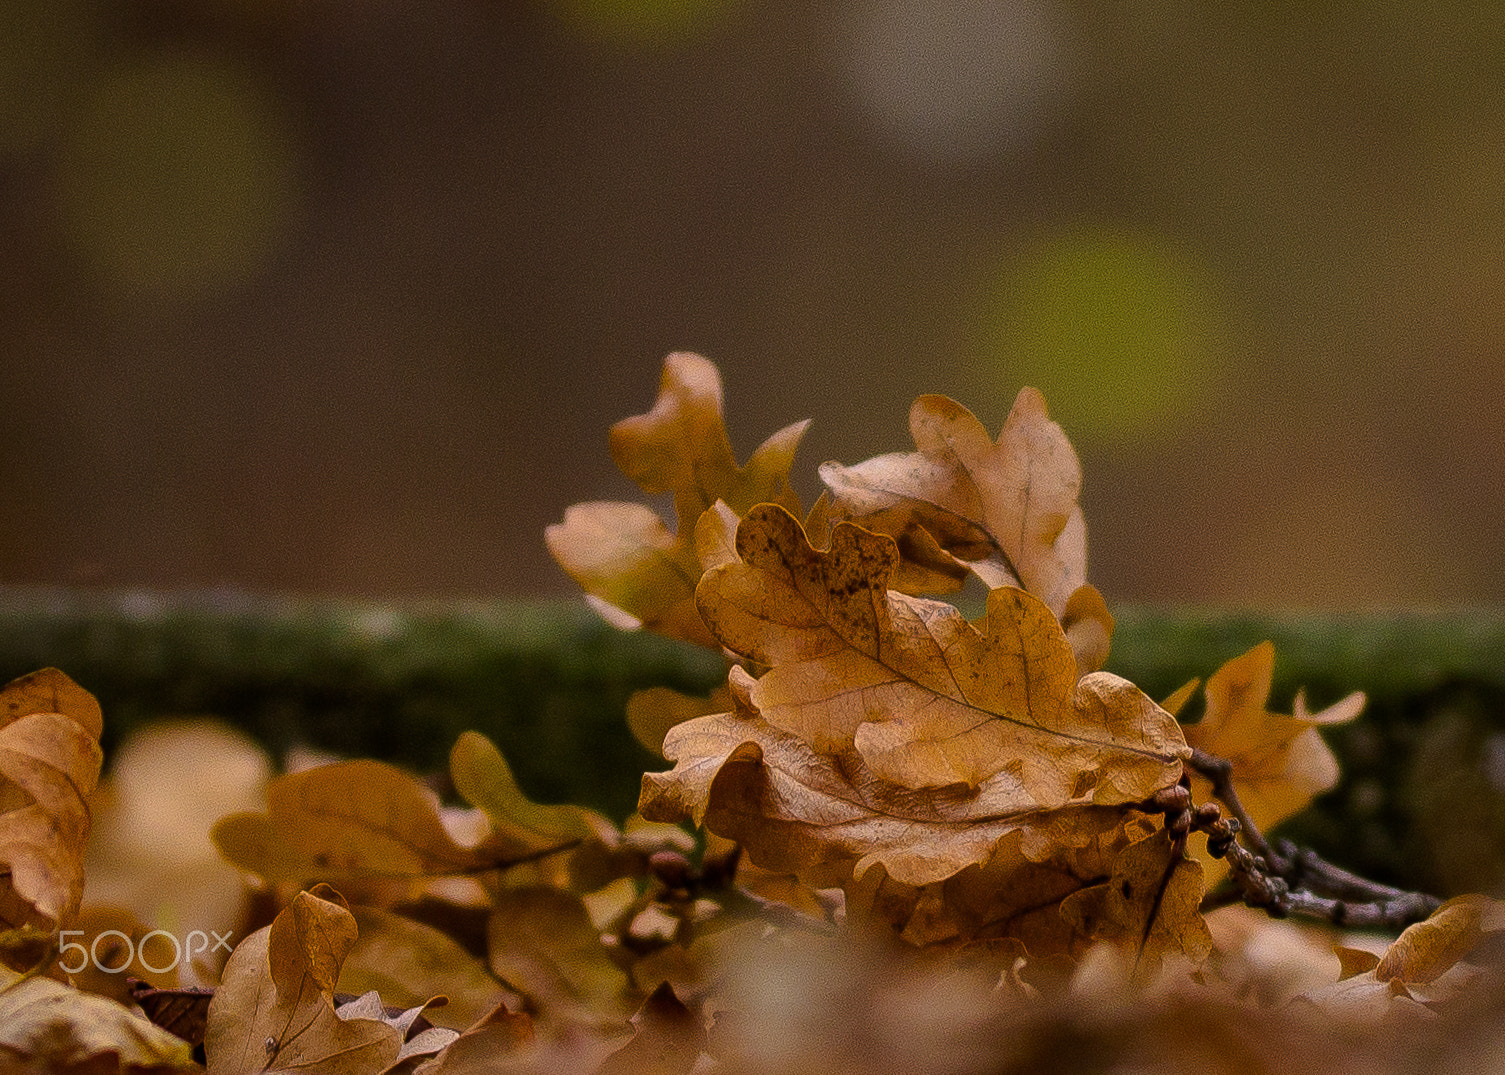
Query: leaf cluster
x=898, y=838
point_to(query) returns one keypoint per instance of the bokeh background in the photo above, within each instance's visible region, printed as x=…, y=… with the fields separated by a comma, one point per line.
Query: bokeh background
x=341, y=296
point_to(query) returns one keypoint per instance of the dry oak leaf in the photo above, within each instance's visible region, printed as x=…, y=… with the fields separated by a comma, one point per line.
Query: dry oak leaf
x=1150, y=908
x=565, y=845
x=828, y=818
x=667, y=1039
x=485, y=1047
x=274, y=1009
x=362, y=823
x=1006, y=510
x=1422, y=971
x=636, y=572
x=923, y=697
x=49, y=763
x=46, y=1026
x=1016, y=894
x=1279, y=762
x=543, y=944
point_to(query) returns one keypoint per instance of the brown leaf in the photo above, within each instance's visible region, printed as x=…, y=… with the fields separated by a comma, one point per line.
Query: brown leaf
x=923, y=697
x=829, y=819
x=1006, y=510
x=275, y=1009
x=1149, y=908
x=1015, y=894
x=49, y=763
x=1428, y=949
x=359, y=822
x=638, y=572
x=408, y=962
x=181, y=1012
x=543, y=944
x=485, y=1047
x=50, y=1026
x=667, y=1039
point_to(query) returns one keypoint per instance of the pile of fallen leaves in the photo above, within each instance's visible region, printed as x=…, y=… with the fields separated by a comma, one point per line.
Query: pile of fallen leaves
x=897, y=840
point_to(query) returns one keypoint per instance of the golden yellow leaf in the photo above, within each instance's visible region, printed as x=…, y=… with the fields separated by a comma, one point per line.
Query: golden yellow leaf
x=566, y=845
x=923, y=697
x=274, y=1009
x=1005, y=510
x=1279, y=762
x=408, y=962
x=638, y=572
x=49, y=763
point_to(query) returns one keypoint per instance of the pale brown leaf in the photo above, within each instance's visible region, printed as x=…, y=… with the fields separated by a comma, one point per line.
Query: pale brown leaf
x=49, y=763
x=274, y=1010
x=362, y=822
x=51, y=1026
x=1005, y=510
x=923, y=697
x=638, y=572
x=827, y=817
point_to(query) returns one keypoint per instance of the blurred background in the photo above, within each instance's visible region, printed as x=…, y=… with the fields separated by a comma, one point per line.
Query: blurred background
x=341, y=296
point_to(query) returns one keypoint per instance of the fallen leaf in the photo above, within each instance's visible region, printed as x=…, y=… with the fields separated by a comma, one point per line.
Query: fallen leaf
x=361, y=823
x=1424, y=971
x=47, y=1026
x=925, y=698
x=49, y=763
x=408, y=963
x=1428, y=949
x=485, y=1047
x=1148, y=908
x=667, y=1039
x=275, y=1011
x=543, y=944
x=639, y=573
x=1006, y=510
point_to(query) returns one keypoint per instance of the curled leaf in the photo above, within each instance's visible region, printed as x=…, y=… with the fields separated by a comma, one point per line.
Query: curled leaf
x=1006, y=510
x=639, y=572
x=275, y=1010
x=49, y=763
x=1280, y=763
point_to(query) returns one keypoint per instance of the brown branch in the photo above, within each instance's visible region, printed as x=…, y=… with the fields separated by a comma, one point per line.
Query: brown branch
x=1285, y=879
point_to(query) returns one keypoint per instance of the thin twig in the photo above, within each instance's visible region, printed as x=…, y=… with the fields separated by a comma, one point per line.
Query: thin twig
x=1220, y=772
x=1286, y=879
